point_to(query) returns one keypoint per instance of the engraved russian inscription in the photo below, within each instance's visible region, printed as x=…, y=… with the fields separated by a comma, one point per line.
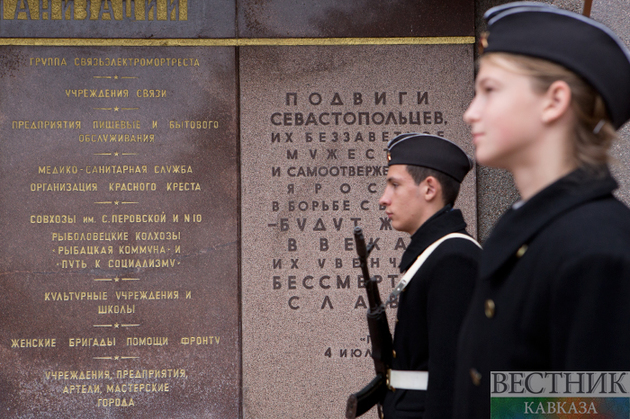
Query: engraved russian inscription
x=314, y=167
x=120, y=259
x=103, y=10
x=331, y=163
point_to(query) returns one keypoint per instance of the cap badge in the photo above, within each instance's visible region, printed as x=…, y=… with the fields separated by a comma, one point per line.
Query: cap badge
x=483, y=42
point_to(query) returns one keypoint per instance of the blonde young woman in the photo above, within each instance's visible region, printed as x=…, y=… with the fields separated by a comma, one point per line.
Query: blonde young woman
x=554, y=287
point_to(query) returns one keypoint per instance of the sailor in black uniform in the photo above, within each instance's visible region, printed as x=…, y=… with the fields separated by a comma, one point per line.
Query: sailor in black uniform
x=423, y=182
x=554, y=287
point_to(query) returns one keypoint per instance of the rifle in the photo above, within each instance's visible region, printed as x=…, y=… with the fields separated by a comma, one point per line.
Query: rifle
x=373, y=393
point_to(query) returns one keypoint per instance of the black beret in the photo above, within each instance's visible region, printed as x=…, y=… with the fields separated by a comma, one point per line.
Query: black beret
x=576, y=42
x=429, y=151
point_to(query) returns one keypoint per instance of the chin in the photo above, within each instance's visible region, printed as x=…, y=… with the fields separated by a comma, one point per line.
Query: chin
x=488, y=161
x=401, y=229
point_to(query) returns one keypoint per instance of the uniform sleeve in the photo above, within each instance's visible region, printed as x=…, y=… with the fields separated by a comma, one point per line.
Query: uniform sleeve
x=449, y=295
x=590, y=314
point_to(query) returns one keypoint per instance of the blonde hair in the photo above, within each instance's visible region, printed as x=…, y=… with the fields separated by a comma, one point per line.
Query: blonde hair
x=589, y=148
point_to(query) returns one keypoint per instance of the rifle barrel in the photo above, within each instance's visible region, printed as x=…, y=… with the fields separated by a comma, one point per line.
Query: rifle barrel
x=371, y=286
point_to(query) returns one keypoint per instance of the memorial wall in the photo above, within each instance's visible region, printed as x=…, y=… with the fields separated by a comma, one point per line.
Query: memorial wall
x=179, y=181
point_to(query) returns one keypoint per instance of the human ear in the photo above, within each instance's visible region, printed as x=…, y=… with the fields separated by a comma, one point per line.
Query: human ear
x=431, y=188
x=557, y=101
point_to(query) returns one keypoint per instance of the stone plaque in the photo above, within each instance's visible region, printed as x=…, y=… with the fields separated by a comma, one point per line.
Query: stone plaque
x=118, y=211
x=314, y=125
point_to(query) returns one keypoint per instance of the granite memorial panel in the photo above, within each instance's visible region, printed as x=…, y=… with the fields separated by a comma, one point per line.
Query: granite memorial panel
x=118, y=212
x=314, y=125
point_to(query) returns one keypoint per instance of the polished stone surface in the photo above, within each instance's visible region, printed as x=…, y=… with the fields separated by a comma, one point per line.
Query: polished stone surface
x=312, y=166
x=358, y=18
x=161, y=294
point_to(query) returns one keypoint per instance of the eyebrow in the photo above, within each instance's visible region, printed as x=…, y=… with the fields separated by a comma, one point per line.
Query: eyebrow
x=394, y=178
x=485, y=79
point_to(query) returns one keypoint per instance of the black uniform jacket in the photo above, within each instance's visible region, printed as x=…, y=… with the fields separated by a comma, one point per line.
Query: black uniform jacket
x=430, y=312
x=553, y=292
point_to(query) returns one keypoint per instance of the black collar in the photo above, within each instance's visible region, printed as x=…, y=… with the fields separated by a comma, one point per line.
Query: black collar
x=445, y=221
x=519, y=226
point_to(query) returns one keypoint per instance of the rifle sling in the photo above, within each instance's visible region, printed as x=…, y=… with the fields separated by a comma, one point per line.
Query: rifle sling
x=406, y=279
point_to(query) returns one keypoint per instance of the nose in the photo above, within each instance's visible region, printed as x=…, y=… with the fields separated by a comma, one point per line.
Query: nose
x=384, y=200
x=471, y=113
